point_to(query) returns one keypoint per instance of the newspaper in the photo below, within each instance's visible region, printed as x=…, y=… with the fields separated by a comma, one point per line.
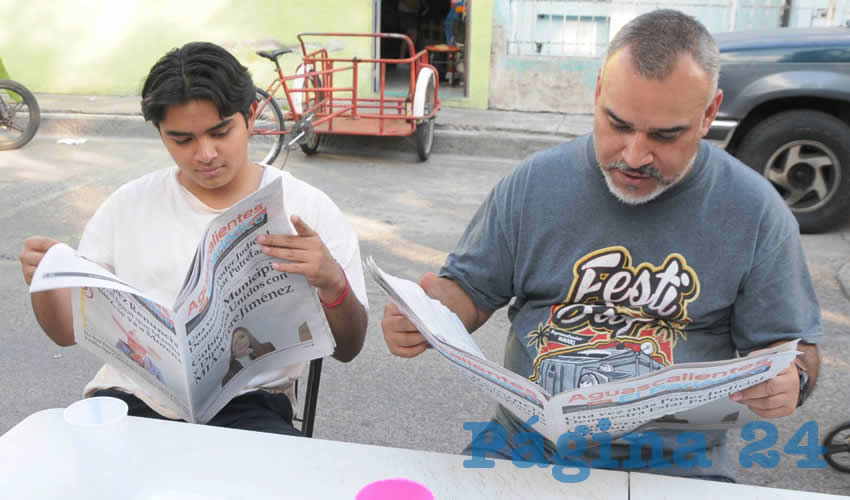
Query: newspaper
x=690, y=395
x=235, y=319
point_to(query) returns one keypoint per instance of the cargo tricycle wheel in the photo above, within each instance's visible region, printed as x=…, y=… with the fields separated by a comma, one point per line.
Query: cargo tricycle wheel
x=425, y=130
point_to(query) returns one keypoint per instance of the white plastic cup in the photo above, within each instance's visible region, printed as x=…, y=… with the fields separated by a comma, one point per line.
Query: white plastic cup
x=98, y=414
x=100, y=446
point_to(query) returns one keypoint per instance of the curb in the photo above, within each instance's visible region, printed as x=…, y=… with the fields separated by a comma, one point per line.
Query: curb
x=498, y=143
x=79, y=124
x=488, y=144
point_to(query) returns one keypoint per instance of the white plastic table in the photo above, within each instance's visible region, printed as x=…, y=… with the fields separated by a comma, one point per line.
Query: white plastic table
x=40, y=458
x=653, y=487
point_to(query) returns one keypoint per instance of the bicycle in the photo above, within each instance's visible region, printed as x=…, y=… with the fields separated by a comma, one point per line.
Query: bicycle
x=267, y=138
x=19, y=115
x=837, y=445
x=316, y=111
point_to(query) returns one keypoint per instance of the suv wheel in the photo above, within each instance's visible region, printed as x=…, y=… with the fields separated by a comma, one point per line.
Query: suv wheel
x=805, y=154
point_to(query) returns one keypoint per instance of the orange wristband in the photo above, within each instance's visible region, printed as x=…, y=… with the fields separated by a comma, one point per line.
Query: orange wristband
x=341, y=297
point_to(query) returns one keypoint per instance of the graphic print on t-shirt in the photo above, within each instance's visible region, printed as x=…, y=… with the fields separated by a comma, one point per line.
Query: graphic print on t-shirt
x=618, y=321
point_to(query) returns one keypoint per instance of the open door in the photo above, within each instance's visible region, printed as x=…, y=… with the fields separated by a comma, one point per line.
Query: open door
x=424, y=21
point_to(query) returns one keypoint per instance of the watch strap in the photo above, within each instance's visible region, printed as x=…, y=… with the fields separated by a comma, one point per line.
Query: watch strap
x=804, y=382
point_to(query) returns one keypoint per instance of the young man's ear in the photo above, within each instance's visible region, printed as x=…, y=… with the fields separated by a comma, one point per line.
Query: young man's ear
x=251, y=118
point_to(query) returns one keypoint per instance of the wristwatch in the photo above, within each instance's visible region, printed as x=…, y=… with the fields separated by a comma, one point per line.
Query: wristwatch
x=804, y=382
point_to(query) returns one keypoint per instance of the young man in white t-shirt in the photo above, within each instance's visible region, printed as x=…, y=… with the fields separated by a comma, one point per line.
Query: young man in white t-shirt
x=200, y=99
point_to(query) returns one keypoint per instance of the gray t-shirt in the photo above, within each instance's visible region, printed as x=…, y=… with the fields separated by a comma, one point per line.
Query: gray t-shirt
x=711, y=267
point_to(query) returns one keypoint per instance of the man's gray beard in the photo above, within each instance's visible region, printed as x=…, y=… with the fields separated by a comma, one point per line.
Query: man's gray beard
x=650, y=170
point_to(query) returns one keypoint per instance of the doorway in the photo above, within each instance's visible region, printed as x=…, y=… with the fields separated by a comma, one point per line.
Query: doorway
x=425, y=22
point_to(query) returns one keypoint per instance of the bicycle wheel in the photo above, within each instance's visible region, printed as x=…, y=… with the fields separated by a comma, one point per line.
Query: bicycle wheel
x=425, y=130
x=311, y=99
x=19, y=115
x=837, y=444
x=264, y=144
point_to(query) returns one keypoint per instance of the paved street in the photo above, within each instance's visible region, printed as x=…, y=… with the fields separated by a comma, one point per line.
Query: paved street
x=408, y=215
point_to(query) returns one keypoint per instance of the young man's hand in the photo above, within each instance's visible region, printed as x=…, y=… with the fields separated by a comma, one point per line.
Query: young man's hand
x=52, y=308
x=306, y=255
x=34, y=249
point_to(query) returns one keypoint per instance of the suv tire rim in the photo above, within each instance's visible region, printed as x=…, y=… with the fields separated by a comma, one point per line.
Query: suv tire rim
x=806, y=173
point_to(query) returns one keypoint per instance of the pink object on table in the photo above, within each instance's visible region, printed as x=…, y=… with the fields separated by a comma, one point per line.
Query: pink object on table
x=394, y=489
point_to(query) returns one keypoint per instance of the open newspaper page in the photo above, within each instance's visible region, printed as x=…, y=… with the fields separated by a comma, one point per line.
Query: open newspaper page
x=446, y=333
x=120, y=325
x=661, y=396
x=719, y=414
x=242, y=318
x=691, y=395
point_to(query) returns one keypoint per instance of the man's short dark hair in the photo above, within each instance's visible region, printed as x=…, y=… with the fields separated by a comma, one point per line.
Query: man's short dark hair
x=657, y=39
x=197, y=70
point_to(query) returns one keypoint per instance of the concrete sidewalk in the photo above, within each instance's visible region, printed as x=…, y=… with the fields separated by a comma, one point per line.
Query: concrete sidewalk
x=505, y=134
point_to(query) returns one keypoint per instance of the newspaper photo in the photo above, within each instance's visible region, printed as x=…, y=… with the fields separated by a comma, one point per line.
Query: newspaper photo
x=234, y=319
x=692, y=395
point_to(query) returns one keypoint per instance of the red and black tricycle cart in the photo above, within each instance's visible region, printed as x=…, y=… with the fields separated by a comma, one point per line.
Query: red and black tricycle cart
x=318, y=106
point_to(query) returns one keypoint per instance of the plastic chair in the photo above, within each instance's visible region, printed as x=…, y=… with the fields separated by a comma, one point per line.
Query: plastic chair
x=308, y=414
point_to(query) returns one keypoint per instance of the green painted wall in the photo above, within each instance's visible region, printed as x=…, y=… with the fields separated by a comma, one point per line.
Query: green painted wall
x=106, y=47
x=480, y=43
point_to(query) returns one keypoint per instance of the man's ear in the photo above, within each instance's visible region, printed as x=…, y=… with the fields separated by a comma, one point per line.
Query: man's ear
x=598, y=85
x=711, y=112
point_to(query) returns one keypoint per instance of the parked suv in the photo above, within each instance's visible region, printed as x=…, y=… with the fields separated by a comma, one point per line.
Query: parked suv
x=786, y=113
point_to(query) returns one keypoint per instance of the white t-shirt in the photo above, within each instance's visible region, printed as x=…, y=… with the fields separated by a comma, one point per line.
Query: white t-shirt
x=146, y=232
